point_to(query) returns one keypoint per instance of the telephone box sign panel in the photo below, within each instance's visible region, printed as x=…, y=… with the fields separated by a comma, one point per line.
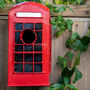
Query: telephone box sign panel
x=29, y=45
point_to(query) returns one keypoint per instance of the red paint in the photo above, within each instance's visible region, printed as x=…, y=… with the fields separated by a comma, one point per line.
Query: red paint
x=29, y=78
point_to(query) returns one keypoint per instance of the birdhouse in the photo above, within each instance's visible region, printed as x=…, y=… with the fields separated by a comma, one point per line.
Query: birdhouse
x=29, y=45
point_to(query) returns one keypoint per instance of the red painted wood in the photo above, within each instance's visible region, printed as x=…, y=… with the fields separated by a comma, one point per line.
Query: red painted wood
x=29, y=78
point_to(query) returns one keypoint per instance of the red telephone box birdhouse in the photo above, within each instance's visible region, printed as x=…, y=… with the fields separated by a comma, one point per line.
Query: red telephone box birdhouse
x=29, y=45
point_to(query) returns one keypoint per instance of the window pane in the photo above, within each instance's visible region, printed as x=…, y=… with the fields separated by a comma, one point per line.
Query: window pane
x=39, y=37
x=38, y=26
x=28, y=68
x=28, y=48
x=18, y=67
x=18, y=57
x=19, y=48
x=37, y=57
x=19, y=26
x=17, y=38
x=38, y=68
x=38, y=48
x=29, y=26
x=28, y=57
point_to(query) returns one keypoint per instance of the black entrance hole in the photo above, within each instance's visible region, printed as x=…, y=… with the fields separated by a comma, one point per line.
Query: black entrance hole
x=28, y=36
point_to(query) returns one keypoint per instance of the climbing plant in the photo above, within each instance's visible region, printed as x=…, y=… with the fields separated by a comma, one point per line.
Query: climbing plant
x=2, y=4
x=74, y=2
x=76, y=46
x=70, y=2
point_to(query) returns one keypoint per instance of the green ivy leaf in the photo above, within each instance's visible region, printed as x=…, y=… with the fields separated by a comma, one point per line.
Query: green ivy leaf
x=75, y=36
x=79, y=1
x=48, y=5
x=69, y=23
x=67, y=74
x=56, y=86
x=70, y=55
x=2, y=4
x=68, y=42
x=58, y=1
x=62, y=26
x=85, y=40
x=78, y=45
x=58, y=33
x=71, y=87
x=69, y=9
x=62, y=62
x=55, y=9
x=60, y=18
x=62, y=9
x=41, y=1
x=53, y=21
x=77, y=61
x=78, y=75
x=72, y=41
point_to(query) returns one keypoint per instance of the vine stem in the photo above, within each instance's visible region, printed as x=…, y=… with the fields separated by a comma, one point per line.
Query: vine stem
x=64, y=88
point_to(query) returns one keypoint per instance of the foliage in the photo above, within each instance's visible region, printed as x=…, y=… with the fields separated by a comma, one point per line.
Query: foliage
x=2, y=4
x=19, y=1
x=74, y=2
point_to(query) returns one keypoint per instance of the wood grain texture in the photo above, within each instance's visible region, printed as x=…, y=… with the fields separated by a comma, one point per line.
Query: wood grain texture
x=88, y=2
x=58, y=48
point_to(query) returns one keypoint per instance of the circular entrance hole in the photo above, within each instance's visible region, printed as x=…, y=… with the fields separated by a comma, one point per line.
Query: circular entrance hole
x=28, y=36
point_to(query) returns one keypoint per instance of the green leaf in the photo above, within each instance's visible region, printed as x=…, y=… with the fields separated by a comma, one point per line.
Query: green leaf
x=77, y=61
x=53, y=21
x=56, y=86
x=70, y=55
x=75, y=36
x=54, y=27
x=58, y=33
x=62, y=25
x=79, y=1
x=69, y=23
x=62, y=62
x=71, y=41
x=62, y=9
x=78, y=75
x=48, y=5
x=60, y=18
x=58, y=1
x=55, y=9
x=41, y=1
x=2, y=4
x=68, y=42
x=66, y=75
x=71, y=87
x=85, y=40
x=78, y=45
x=70, y=9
